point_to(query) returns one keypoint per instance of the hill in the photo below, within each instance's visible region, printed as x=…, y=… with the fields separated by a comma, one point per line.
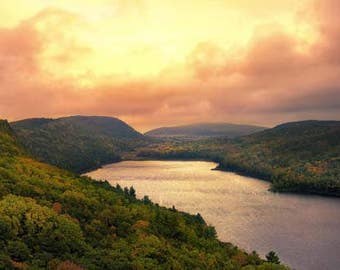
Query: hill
x=202, y=130
x=300, y=156
x=296, y=157
x=54, y=219
x=77, y=143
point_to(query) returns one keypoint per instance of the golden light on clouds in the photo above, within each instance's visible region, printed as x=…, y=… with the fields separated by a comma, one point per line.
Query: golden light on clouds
x=166, y=62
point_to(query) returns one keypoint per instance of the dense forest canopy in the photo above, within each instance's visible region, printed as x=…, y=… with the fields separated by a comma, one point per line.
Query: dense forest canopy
x=77, y=143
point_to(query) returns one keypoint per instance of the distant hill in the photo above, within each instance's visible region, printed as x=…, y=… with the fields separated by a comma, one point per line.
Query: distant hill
x=205, y=130
x=76, y=143
x=315, y=137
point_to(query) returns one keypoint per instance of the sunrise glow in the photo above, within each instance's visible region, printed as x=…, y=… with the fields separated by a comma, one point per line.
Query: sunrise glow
x=149, y=62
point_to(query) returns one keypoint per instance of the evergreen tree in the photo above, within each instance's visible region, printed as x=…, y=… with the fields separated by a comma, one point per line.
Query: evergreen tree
x=272, y=257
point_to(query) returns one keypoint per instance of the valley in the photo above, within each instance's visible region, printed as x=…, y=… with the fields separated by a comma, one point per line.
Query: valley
x=301, y=157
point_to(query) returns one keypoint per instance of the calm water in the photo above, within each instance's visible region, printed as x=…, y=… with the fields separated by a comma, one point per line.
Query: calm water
x=304, y=230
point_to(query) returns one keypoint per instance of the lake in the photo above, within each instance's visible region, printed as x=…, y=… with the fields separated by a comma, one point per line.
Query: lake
x=303, y=230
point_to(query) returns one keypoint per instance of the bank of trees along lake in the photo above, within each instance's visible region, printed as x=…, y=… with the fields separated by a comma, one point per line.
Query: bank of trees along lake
x=296, y=157
x=54, y=219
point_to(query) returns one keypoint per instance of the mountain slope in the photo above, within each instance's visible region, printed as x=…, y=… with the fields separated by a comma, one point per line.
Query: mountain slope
x=295, y=157
x=53, y=219
x=301, y=156
x=204, y=130
x=76, y=143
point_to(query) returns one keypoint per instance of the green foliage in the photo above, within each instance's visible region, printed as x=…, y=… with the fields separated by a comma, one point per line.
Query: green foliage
x=266, y=266
x=77, y=143
x=298, y=157
x=8, y=142
x=272, y=257
x=18, y=251
x=54, y=219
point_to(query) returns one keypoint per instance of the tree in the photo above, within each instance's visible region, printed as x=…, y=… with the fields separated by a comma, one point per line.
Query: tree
x=132, y=192
x=272, y=257
x=18, y=251
x=146, y=200
x=200, y=219
x=254, y=258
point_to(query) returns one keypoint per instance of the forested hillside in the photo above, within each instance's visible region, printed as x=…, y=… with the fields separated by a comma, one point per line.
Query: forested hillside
x=295, y=157
x=77, y=143
x=54, y=219
x=302, y=157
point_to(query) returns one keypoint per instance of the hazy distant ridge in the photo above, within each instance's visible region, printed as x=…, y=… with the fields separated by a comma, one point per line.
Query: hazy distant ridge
x=205, y=130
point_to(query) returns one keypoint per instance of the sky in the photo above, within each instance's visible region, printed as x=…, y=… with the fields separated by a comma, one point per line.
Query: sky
x=158, y=63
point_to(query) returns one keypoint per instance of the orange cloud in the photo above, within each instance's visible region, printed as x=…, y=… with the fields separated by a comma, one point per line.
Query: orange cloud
x=273, y=77
x=46, y=70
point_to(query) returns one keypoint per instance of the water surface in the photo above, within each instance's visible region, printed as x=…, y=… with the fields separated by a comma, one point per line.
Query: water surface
x=304, y=230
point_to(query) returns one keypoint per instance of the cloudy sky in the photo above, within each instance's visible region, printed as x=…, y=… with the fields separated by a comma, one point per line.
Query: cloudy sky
x=154, y=63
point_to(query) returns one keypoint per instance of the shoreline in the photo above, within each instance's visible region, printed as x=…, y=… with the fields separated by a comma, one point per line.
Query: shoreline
x=274, y=199
x=221, y=168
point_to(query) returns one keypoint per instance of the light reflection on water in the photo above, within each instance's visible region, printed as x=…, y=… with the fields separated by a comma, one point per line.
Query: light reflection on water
x=304, y=230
